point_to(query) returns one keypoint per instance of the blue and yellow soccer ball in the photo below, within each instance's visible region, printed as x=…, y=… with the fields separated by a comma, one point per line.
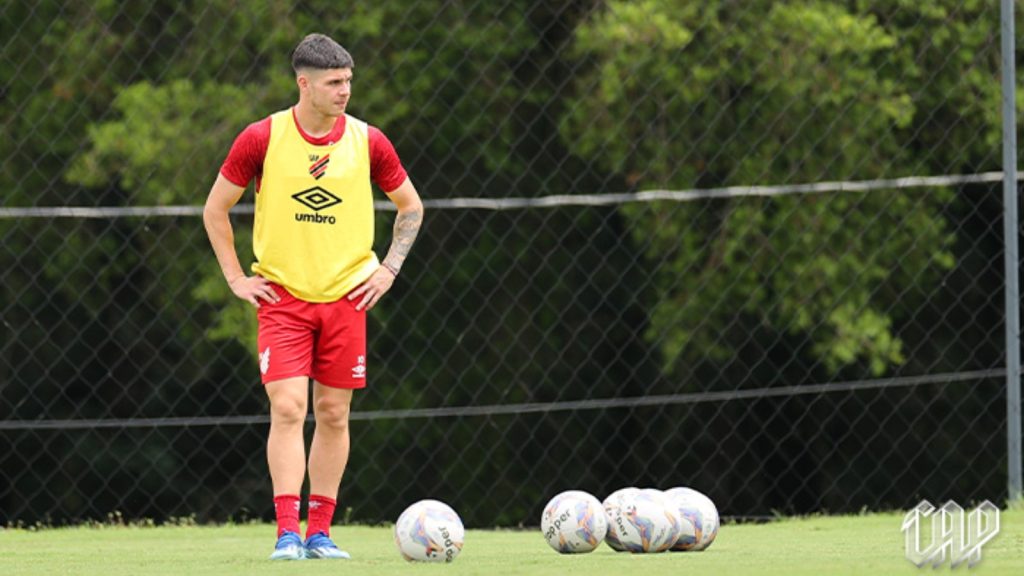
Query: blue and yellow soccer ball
x=700, y=519
x=644, y=521
x=574, y=522
x=429, y=531
x=612, y=504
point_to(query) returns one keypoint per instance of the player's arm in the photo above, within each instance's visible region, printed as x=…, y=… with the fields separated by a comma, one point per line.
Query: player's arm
x=223, y=195
x=407, y=226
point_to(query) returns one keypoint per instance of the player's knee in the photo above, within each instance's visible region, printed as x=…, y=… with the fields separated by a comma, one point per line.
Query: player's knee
x=288, y=411
x=332, y=412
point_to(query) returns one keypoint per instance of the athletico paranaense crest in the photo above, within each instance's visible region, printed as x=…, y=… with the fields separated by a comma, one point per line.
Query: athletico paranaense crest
x=319, y=166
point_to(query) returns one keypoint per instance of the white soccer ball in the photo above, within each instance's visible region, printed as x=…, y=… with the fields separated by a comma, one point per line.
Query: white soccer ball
x=700, y=519
x=646, y=521
x=573, y=522
x=612, y=504
x=429, y=531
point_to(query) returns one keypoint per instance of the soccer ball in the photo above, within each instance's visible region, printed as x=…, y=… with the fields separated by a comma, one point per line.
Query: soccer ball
x=573, y=522
x=700, y=519
x=611, y=507
x=646, y=521
x=429, y=531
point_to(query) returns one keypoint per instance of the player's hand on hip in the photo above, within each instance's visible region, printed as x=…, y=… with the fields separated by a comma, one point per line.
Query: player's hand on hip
x=369, y=293
x=252, y=289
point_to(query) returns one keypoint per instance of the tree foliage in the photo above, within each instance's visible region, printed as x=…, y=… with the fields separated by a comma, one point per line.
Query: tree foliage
x=684, y=95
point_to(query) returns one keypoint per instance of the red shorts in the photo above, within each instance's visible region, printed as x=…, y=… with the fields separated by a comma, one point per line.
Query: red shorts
x=324, y=341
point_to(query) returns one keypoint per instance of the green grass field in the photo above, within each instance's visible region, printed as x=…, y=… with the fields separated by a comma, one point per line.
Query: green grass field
x=870, y=544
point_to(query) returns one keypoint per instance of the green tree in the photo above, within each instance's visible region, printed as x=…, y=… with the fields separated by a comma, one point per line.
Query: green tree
x=682, y=94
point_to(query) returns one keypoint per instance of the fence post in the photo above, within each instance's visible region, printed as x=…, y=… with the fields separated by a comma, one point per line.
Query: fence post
x=1011, y=258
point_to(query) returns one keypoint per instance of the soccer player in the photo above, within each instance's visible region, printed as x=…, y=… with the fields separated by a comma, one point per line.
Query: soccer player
x=315, y=274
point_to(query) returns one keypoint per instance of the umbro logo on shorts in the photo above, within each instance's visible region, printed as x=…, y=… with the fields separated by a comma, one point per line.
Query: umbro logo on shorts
x=359, y=370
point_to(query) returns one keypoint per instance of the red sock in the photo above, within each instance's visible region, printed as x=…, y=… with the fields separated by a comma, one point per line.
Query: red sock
x=286, y=506
x=321, y=512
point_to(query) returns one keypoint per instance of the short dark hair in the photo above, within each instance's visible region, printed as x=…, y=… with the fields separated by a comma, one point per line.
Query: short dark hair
x=320, y=52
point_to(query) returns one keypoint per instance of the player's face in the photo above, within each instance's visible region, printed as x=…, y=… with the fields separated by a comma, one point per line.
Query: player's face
x=329, y=90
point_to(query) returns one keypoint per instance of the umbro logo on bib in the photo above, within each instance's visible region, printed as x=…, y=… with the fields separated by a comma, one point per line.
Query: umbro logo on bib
x=316, y=199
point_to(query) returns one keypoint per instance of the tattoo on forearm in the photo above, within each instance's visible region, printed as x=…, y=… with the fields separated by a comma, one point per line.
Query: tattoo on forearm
x=407, y=225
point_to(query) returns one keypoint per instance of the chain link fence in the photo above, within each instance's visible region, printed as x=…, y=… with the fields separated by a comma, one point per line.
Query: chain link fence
x=750, y=247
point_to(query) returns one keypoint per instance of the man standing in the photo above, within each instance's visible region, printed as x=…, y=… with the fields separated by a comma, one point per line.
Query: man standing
x=315, y=274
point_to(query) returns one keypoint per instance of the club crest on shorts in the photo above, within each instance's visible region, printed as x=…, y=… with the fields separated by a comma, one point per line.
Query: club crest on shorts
x=265, y=360
x=359, y=370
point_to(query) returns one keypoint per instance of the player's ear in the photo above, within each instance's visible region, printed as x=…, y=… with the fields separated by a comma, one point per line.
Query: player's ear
x=302, y=80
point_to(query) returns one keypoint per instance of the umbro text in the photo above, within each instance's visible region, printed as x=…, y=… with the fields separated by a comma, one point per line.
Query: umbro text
x=315, y=218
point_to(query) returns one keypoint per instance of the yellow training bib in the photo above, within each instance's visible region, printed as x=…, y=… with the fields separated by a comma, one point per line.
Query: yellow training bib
x=313, y=228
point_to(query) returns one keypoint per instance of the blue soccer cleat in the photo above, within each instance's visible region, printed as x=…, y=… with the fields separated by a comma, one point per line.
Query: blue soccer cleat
x=319, y=545
x=289, y=547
